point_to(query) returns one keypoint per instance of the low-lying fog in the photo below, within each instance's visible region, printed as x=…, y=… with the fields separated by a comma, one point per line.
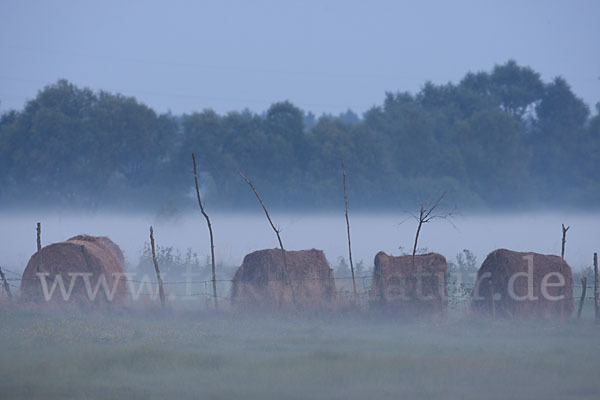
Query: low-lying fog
x=238, y=234
x=352, y=354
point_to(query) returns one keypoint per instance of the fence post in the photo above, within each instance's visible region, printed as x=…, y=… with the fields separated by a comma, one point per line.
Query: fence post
x=39, y=246
x=348, y=230
x=596, y=296
x=210, y=232
x=581, y=300
x=161, y=292
x=562, y=261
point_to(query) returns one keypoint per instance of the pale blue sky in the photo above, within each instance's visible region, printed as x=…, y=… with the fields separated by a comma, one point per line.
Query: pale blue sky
x=324, y=56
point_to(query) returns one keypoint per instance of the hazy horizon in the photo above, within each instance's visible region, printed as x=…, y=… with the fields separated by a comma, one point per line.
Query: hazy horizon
x=237, y=234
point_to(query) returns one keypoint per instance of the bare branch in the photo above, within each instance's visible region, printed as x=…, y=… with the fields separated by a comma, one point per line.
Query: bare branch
x=426, y=211
x=427, y=214
x=277, y=231
x=348, y=229
x=410, y=216
x=212, y=243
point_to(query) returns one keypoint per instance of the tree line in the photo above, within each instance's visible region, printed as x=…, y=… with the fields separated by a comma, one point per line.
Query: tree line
x=497, y=139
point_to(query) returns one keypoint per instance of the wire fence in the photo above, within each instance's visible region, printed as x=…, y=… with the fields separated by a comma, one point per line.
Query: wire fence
x=458, y=296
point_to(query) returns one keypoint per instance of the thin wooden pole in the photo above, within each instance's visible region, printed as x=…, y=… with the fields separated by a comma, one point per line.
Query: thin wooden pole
x=582, y=299
x=5, y=283
x=161, y=292
x=39, y=246
x=564, y=241
x=39, y=236
x=421, y=213
x=348, y=230
x=277, y=231
x=596, y=294
x=562, y=261
x=212, y=243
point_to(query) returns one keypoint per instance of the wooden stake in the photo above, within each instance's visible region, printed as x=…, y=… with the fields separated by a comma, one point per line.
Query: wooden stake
x=39, y=246
x=277, y=231
x=348, y=229
x=5, y=283
x=212, y=243
x=562, y=260
x=39, y=236
x=596, y=295
x=582, y=299
x=564, y=241
x=161, y=292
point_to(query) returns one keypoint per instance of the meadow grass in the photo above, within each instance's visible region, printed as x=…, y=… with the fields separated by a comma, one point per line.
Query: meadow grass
x=199, y=355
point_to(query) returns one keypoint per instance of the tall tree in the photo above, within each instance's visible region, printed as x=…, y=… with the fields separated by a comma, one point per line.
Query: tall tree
x=517, y=88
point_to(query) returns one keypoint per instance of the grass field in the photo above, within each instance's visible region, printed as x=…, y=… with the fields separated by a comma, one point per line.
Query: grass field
x=232, y=356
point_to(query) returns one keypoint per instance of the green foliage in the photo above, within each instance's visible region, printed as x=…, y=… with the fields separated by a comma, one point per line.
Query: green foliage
x=342, y=269
x=359, y=268
x=461, y=278
x=173, y=265
x=517, y=88
x=408, y=252
x=73, y=146
x=466, y=263
x=587, y=272
x=498, y=139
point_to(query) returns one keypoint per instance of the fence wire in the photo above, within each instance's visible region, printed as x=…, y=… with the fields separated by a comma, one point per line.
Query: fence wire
x=458, y=293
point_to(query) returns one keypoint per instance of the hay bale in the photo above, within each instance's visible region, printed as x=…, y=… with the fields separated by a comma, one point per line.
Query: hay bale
x=410, y=287
x=500, y=265
x=261, y=281
x=66, y=261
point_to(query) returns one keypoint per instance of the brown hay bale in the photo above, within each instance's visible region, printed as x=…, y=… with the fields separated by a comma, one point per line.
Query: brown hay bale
x=106, y=242
x=500, y=265
x=261, y=281
x=82, y=254
x=412, y=288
